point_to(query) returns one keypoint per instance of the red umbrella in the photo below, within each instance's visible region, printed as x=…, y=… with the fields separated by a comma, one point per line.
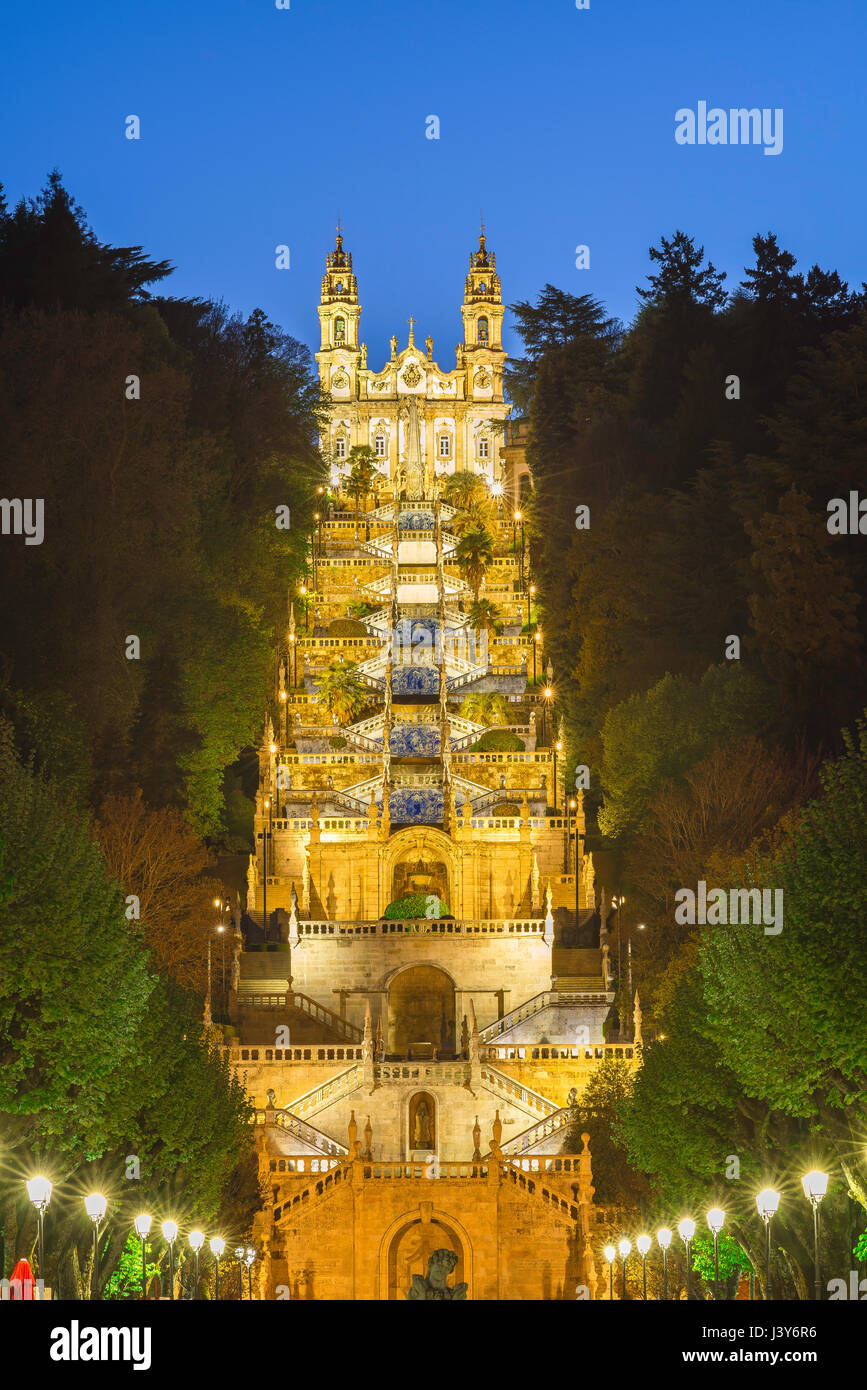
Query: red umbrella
x=21, y=1281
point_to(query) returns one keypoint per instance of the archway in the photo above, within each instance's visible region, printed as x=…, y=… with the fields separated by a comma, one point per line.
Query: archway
x=421, y=1009
x=410, y=1248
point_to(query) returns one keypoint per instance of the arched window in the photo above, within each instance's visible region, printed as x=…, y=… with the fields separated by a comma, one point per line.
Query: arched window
x=340, y=287
x=445, y=447
x=340, y=330
x=340, y=447
x=483, y=330
x=379, y=446
x=484, y=448
x=524, y=486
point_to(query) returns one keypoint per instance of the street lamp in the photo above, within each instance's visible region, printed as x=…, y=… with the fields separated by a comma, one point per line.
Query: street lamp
x=767, y=1202
x=530, y=591
x=537, y=637
x=302, y=589
x=643, y=1245
x=170, y=1235
x=217, y=1245
x=558, y=748
x=248, y=1260
x=664, y=1237
x=547, y=692
x=611, y=1256
x=196, y=1240
x=624, y=1246
x=96, y=1206
x=39, y=1191
x=815, y=1185
x=686, y=1231
x=142, y=1225
x=239, y=1256
x=716, y=1219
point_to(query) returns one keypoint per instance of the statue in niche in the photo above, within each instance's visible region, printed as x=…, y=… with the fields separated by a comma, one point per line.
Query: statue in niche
x=432, y=1286
x=422, y=1129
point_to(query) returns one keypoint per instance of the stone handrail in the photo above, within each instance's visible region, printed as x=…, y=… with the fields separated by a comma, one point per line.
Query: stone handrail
x=543, y=1129
x=565, y=1052
x=320, y=1096
x=308, y=1134
x=267, y=999
x=309, y=1052
x=498, y=1082
x=302, y=1163
x=444, y=1073
x=530, y=926
x=517, y=1015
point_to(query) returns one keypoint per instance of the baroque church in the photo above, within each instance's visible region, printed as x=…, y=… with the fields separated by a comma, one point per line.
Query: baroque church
x=420, y=983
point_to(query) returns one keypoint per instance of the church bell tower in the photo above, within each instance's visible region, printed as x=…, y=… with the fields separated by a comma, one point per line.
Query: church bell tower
x=339, y=315
x=482, y=309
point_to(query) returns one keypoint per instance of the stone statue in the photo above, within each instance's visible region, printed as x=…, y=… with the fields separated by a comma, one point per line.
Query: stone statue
x=252, y=879
x=422, y=1137
x=572, y=1099
x=364, y=354
x=433, y=1286
x=428, y=342
x=393, y=342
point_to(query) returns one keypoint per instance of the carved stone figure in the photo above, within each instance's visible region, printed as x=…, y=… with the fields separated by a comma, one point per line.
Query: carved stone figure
x=422, y=1136
x=432, y=1286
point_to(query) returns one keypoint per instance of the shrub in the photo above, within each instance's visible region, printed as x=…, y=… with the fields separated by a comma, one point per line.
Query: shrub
x=498, y=741
x=414, y=905
x=346, y=627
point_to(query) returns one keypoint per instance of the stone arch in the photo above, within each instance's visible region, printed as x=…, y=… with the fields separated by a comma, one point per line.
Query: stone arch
x=421, y=1009
x=425, y=1227
x=426, y=844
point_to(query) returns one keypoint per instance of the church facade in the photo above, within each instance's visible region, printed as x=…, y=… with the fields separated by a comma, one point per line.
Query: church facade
x=421, y=984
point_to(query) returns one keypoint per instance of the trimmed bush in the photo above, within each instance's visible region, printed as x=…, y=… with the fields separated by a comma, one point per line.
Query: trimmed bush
x=414, y=905
x=346, y=627
x=498, y=741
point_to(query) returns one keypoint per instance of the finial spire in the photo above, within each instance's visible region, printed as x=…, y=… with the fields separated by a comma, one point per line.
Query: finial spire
x=411, y=322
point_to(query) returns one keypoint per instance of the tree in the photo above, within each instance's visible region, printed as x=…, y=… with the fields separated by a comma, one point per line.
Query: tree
x=155, y=855
x=473, y=553
x=485, y=616
x=364, y=475
x=342, y=691
x=557, y=318
x=683, y=278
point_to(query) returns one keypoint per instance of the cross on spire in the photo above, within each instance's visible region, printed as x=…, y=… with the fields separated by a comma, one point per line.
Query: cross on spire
x=411, y=322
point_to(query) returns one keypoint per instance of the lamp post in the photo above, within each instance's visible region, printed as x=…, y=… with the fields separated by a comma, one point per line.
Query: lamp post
x=815, y=1185
x=39, y=1191
x=558, y=748
x=611, y=1256
x=624, y=1246
x=196, y=1241
x=643, y=1245
x=530, y=591
x=217, y=1245
x=547, y=692
x=767, y=1202
x=96, y=1206
x=248, y=1260
x=716, y=1219
x=239, y=1256
x=664, y=1237
x=170, y=1235
x=570, y=807
x=293, y=654
x=686, y=1231
x=142, y=1225
x=303, y=592
x=537, y=637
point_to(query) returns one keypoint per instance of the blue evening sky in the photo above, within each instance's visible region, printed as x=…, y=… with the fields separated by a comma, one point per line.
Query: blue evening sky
x=259, y=123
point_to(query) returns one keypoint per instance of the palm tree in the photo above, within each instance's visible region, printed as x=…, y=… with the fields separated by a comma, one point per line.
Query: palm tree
x=485, y=708
x=483, y=614
x=473, y=553
x=342, y=691
x=364, y=476
x=468, y=494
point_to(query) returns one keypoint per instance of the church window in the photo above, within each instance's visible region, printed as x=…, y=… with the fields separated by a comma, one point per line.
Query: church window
x=483, y=330
x=445, y=447
x=340, y=330
x=379, y=446
x=340, y=447
x=340, y=287
x=484, y=448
